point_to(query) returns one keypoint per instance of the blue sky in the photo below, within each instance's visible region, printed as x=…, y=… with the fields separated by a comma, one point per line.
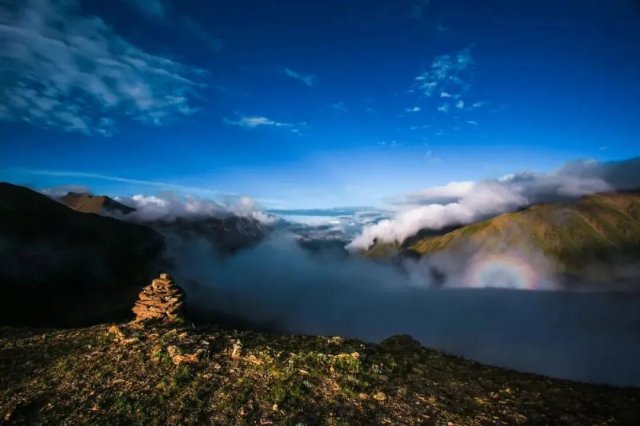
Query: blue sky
x=311, y=104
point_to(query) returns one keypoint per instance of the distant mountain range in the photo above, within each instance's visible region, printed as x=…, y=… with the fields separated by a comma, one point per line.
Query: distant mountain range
x=597, y=229
x=228, y=234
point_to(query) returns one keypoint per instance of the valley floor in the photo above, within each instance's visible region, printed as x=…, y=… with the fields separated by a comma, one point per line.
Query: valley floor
x=125, y=374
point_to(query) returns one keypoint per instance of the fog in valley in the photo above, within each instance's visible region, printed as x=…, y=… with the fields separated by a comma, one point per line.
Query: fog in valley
x=278, y=285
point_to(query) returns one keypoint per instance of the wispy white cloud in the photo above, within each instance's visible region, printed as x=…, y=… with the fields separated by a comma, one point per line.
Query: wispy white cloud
x=449, y=79
x=447, y=75
x=258, y=121
x=72, y=72
x=307, y=79
x=140, y=182
x=235, y=202
x=413, y=109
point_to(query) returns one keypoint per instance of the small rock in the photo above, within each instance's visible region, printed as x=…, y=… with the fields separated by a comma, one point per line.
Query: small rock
x=254, y=360
x=177, y=357
x=380, y=396
x=236, y=349
x=117, y=333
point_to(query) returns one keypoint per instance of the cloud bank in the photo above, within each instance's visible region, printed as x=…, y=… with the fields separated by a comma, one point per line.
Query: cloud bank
x=170, y=206
x=74, y=73
x=466, y=202
x=279, y=285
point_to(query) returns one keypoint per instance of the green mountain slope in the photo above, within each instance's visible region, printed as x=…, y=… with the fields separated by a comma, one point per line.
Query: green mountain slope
x=598, y=228
x=159, y=375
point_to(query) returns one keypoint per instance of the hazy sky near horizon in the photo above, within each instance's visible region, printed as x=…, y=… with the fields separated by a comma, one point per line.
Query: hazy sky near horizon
x=311, y=104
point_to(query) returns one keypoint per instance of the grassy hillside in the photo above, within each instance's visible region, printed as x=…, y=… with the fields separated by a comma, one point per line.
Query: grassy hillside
x=125, y=375
x=600, y=227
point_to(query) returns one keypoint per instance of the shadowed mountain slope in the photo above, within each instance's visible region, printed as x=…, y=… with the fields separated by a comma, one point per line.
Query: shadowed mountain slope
x=227, y=234
x=60, y=266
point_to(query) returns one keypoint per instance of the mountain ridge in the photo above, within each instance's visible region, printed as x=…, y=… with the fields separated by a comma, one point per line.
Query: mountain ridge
x=98, y=204
x=595, y=229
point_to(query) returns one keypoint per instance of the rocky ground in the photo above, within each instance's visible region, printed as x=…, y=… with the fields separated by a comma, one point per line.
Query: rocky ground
x=134, y=374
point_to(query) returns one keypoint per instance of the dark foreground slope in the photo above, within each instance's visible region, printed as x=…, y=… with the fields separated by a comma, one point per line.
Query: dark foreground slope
x=122, y=375
x=60, y=266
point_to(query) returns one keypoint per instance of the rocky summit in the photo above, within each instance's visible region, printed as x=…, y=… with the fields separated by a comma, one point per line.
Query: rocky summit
x=162, y=300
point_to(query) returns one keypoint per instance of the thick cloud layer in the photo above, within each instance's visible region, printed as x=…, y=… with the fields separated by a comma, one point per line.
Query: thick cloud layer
x=466, y=202
x=277, y=284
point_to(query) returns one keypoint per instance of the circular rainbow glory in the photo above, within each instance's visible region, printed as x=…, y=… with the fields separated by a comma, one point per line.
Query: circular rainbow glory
x=501, y=271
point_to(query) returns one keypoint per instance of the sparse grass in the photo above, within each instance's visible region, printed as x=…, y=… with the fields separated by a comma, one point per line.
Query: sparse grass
x=88, y=376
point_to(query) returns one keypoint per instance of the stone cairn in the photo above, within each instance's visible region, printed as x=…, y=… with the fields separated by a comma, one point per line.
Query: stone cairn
x=162, y=300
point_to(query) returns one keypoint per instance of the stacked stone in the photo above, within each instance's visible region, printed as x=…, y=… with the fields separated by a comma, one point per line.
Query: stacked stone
x=162, y=300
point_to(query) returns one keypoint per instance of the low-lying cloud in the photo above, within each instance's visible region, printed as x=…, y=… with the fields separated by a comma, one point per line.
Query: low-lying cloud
x=170, y=206
x=466, y=202
x=279, y=285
